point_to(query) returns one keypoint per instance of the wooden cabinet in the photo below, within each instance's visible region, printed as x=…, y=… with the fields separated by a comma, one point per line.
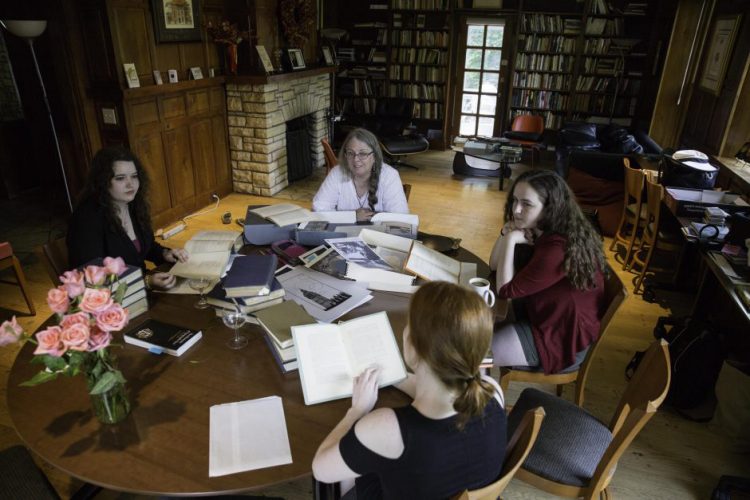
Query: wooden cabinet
x=179, y=132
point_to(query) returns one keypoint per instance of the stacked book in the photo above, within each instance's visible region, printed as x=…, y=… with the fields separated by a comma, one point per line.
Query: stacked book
x=248, y=286
x=277, y=321
x=134, y=296
x=715, y=216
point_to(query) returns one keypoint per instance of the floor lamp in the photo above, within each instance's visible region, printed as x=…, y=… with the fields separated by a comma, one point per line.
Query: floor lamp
x=29, y=31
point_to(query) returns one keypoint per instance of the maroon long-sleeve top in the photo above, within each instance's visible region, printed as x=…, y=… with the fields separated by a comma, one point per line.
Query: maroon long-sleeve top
x=564, y=320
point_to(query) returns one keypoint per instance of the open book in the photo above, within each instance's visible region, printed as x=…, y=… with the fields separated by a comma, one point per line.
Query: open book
x=391, y=249
x=209, y=254
x=284, y=214
x=432, y=265
x=330, y=356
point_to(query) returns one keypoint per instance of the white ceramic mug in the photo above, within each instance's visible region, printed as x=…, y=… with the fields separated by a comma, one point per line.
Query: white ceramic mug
x=482, y=287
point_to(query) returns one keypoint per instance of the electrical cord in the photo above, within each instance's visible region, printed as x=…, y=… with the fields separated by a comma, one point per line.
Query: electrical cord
x=190, y=216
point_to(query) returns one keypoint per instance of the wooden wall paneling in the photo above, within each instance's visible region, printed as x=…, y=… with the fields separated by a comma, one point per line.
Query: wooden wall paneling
x=97, y=43
x=131, y=27
x=202, y=148
x=168, y=57
x=738, y=131
x=180, y=167
x=172, y=106
x=198, y=102
x=192, y=55
x=150, y=151
x=222, y=165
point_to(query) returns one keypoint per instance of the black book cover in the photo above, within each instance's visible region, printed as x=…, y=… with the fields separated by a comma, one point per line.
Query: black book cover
x=159, y=337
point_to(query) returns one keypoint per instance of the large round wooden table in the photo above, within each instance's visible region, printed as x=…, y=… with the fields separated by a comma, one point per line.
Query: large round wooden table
x=162, y=447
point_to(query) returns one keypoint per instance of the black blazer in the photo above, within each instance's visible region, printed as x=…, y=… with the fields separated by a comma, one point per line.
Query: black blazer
x=90, y=236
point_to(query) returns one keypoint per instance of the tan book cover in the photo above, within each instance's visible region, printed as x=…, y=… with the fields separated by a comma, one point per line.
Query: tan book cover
x=278, y=321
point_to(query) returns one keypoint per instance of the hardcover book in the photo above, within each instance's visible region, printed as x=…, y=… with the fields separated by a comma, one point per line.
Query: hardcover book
x=217, y=297
x=284, y=214
x=278, y=321
x=159, y=337
x=331, y=355
x=434, y=266
x=250, y=275
x=286, y=358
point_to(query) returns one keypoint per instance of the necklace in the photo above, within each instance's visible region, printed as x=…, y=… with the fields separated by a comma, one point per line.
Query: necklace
x=360, y=199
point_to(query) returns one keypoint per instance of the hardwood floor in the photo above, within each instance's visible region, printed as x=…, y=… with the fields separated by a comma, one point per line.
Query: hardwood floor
x=672, y=458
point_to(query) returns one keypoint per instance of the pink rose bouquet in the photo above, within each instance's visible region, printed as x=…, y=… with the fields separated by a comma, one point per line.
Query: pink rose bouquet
x=87, y=308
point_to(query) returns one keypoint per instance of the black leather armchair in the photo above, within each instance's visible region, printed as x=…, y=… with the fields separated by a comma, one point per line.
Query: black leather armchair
x=391, y=119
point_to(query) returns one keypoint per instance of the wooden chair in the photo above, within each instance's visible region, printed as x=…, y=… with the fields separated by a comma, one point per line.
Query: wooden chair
x=8, y=259
x=526, y=131
x=654, y=237
x=614, y=296
x=575, y=454
x=632, y=212
x=330, y=156
x=516, y=451
x=56, y=259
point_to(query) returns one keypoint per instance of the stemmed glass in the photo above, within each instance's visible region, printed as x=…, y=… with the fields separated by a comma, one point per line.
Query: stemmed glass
x=200, y=285
x=234, y=319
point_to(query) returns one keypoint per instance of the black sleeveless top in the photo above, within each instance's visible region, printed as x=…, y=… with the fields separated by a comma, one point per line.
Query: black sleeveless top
x=438, y=460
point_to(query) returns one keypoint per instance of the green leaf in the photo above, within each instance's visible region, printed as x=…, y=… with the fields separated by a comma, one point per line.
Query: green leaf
x=38, y=359
x=120, y=293
x=55, y=364
x=105, y=383
x=39, y=378
x=118, y=375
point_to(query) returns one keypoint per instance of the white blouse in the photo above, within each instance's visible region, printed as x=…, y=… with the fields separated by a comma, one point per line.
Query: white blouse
x=338, y=193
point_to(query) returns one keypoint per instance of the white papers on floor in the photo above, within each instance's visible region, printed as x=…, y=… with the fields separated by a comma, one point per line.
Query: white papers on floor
x=247, y=435
x=324, y=297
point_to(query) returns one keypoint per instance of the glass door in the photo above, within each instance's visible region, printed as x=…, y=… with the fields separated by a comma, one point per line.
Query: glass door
x=479, y=102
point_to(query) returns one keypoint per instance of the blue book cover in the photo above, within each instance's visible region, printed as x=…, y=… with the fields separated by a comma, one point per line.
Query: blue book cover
x=250, y=275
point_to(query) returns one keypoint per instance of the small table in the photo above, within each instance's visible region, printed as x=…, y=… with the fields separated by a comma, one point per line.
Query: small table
x=162, y=446
x=497, y=151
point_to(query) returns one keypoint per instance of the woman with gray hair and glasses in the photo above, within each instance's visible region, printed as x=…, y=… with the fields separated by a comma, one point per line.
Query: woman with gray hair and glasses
x=361, y=181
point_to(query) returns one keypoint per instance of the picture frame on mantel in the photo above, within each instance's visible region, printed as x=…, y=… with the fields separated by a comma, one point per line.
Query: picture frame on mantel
x=176, y=21
x=718, y=54
x=296, y=59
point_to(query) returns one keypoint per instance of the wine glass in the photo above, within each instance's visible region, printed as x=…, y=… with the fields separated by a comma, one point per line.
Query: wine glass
x=235, y=319
x=200, y=285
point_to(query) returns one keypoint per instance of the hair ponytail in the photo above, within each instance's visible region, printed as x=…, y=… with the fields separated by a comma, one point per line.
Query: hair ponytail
x=471, y=402
x=372, y=197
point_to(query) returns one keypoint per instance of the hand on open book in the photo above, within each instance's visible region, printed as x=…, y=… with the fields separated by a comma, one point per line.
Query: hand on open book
x=364, y=214
x=365, y=393
x=164, y=281
x=176, y=254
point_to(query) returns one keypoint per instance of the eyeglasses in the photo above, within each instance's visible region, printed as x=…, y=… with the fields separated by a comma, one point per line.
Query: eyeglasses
x=350, y=155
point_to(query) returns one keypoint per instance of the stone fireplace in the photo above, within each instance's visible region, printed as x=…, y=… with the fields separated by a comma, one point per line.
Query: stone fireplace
x=257, y=114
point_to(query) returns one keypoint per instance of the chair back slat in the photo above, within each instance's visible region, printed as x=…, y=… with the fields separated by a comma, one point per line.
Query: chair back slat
x=56, y=259
x=516, y=451
x=329, y=155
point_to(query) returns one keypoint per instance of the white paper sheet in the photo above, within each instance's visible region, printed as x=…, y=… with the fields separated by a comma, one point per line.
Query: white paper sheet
x=247, y=435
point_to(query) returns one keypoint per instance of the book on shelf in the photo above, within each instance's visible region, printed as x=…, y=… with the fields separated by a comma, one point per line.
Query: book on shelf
x=286, y=357
x=284, y=214
x=217, y=297
x=278, y=321
x=250, y=275
x=331, y=355
x=432, y=265
x=209, y=255
x=158, y=337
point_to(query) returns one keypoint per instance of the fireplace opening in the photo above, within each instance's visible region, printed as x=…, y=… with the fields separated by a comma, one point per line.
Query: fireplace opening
x=298, y=148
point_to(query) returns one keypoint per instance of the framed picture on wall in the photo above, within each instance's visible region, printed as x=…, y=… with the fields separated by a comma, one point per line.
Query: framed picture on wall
x=131, y=75
x=719, y=50
x=296, y=58
x=176, y=21
x=327, y=55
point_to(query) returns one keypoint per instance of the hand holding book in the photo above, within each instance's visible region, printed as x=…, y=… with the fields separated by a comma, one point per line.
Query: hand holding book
x=365, y=391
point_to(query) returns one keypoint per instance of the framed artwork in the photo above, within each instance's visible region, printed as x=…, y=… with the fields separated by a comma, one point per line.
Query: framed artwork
x=131, y=75
x=327, y=55
x=157, y=77
x=172, y=75
x=296, y=58
x=719, y=50
x=196, y=73
x=264, y=59
x=176, y=21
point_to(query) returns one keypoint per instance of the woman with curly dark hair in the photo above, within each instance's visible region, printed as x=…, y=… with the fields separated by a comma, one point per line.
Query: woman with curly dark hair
x=559, y=291
x=453, y=434
x=113, y=218
x=361, y=181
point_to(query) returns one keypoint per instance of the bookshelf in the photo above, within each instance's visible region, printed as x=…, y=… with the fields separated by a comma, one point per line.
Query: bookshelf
x=585, y=63
x=397, y=49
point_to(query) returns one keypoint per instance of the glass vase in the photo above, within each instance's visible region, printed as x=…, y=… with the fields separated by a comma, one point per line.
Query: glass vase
x=112, y=406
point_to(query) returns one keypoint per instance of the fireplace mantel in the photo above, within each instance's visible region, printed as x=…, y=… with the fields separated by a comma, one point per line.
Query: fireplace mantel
x=278, y=77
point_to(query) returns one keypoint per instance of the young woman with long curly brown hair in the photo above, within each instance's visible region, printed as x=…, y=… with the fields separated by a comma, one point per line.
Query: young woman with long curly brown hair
x=361, y=181
x=113, y=218
x=557, y=295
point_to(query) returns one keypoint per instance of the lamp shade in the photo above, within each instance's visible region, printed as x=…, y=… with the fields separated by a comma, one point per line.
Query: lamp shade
x=26, y=29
